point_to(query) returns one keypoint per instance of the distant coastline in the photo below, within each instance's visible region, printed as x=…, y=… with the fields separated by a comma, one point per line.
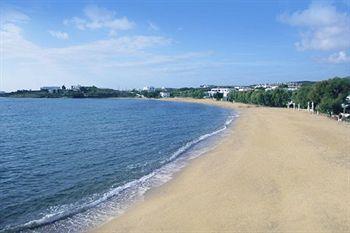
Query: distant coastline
x=331, y=97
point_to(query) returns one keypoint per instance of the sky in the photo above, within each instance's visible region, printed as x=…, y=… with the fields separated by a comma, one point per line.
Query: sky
x=131, y=44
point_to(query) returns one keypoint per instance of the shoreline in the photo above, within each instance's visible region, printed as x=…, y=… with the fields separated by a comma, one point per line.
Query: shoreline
x=171, y=166
x=269, y=187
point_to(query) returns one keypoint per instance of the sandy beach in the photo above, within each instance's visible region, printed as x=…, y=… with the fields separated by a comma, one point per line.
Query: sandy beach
x=279, y=170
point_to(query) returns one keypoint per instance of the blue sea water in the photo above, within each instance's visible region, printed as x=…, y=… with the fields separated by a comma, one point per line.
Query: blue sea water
x=67, y=165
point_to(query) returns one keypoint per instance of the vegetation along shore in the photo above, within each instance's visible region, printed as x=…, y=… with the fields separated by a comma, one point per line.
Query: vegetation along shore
x=330, y=96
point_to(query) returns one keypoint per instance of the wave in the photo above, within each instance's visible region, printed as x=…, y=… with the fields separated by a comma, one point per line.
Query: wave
x=188, y=145
x=117, y=199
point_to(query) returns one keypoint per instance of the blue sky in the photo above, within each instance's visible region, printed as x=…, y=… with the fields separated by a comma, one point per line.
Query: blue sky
x=130, y=44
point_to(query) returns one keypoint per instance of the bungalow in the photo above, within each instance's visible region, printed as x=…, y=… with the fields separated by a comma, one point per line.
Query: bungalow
x=51, y=89
x=75, y=88
x=223, y=91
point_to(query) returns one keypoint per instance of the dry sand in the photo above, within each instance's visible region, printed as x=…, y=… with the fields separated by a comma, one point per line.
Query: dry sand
x=279, y=171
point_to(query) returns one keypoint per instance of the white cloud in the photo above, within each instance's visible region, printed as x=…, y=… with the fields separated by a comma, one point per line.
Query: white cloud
x=133, y=60
x=339, y=57
x=101, y=62
x=59, y=35
x=131, y=47
x=16, y=46
x=154, y=59
x=13, y=16
x=98, y=18
x=13, y=43
x=152, y=26
x=322, y=27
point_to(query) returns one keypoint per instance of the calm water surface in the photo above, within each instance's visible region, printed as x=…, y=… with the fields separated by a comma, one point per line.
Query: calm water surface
x=68, y=164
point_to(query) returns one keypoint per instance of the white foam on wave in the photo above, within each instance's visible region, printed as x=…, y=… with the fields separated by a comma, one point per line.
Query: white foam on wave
x=201, y=138
x=82, y=216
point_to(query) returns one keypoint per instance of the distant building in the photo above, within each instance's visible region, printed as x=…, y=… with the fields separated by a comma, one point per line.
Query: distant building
x=293, y=86
x=50, y=89
x=271, y=88
x=164, y=94
x=244, y=89
x=290, y=86
x=75, y=88
x=261, y=86
x=149, y=89
x=223, y=91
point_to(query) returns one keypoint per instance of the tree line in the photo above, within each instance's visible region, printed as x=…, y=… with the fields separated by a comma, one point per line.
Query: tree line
x=82, y=92
x=273, y=98
x=189, y=92
x=327, y=95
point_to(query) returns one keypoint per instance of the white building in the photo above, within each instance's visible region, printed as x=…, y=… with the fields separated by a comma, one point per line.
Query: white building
x=149, y=89
x=164, y=94
x=293, y=86
x=223, y=91
x=75, y=88
x=50, y=89
x=271, y=88
x=264, y=86
x=245, y=89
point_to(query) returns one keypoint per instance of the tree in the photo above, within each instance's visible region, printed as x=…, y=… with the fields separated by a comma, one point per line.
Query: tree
x=218, y=96
x=329, y=105
x=329, y=94
x=257, y=97
x=280, y=97
x=302, y=96
x=274, y=98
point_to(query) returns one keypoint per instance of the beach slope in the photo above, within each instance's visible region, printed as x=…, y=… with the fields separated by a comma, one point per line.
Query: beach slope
x=279, y=170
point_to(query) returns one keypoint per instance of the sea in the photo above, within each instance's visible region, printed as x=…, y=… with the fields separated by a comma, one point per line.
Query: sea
x=68, y=165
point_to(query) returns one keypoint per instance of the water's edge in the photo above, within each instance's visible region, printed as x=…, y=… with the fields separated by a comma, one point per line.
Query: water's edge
x=177, y=164
x=95, y=211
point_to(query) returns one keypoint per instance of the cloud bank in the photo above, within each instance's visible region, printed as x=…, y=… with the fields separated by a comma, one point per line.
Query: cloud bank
x=322, y=28
x=126, y=57
x=98, y=18
x=339, y=57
